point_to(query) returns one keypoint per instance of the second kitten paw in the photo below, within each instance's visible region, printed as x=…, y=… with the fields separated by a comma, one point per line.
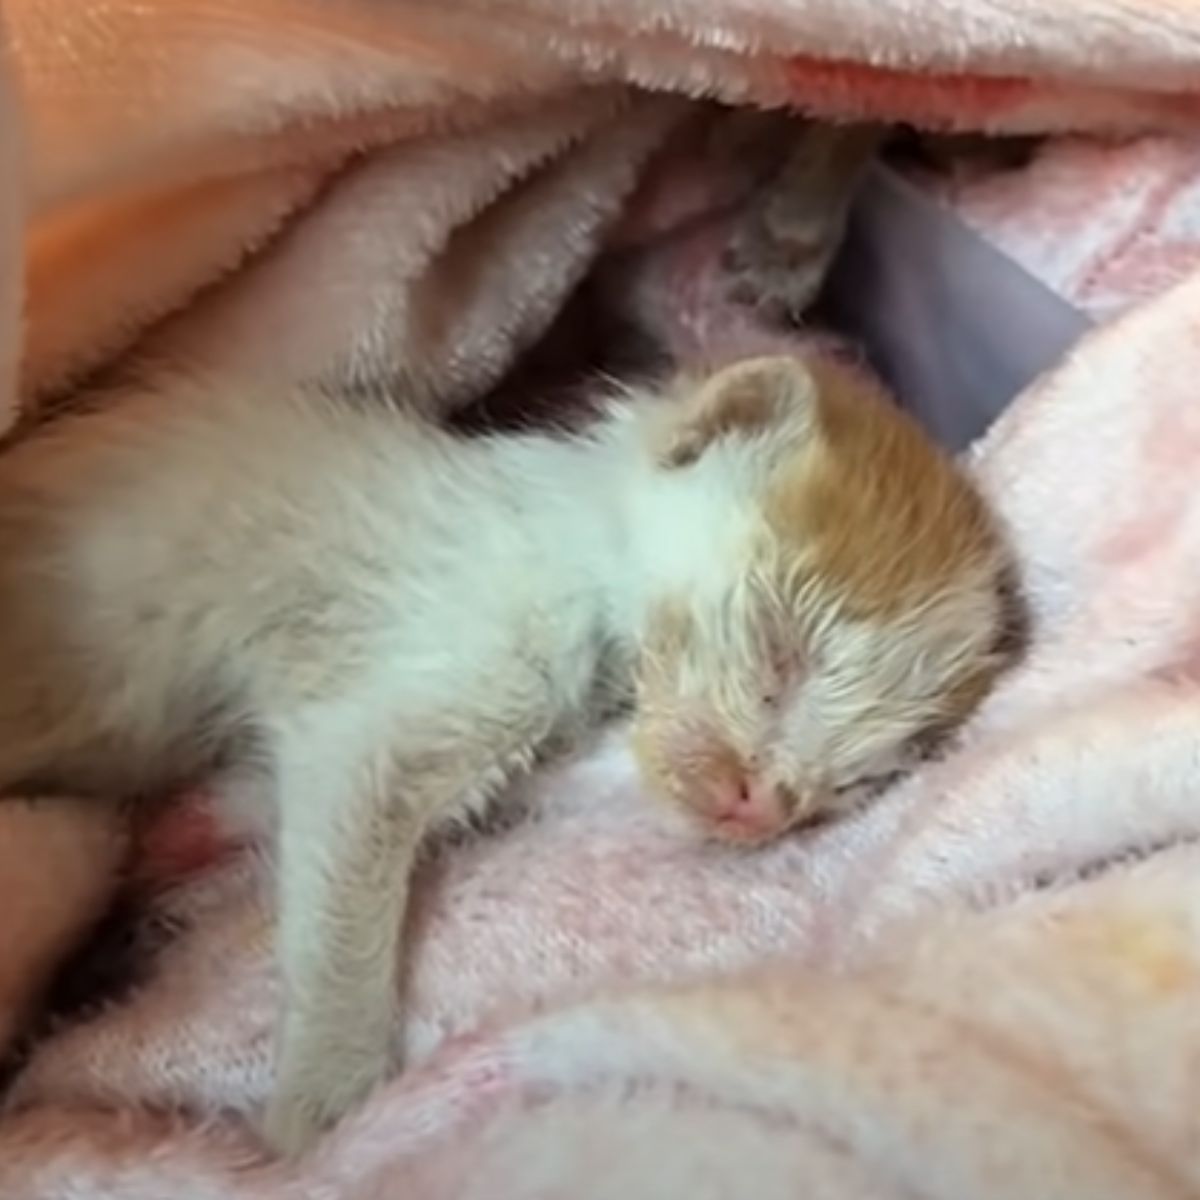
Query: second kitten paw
x=761, y=278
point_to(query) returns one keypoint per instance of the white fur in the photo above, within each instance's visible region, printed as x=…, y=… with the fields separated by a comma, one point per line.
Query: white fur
x=368, y=625
x=388, y=621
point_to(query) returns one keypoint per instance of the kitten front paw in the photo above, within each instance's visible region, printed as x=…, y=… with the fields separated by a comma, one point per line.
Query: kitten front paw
x=293, y=1123
x=313, y=1095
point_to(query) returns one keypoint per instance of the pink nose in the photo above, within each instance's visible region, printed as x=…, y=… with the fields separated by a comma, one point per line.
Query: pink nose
x=750, y=806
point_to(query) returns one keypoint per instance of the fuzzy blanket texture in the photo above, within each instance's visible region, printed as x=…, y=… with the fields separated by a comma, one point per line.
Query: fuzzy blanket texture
x=985, y=985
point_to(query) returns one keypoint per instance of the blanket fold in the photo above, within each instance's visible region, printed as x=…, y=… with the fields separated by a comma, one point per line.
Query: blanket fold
x=984, y=986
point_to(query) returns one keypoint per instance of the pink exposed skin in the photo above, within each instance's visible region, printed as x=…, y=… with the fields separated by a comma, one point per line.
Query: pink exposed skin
x=747, y=809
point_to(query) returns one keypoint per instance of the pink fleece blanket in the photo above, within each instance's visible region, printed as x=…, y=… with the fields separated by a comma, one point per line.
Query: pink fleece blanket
x=985, y=986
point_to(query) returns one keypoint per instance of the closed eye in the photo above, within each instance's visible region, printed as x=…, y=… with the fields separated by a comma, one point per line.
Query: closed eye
x=872, y=783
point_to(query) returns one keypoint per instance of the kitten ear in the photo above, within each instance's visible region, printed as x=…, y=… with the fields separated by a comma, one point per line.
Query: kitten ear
x=746, y=398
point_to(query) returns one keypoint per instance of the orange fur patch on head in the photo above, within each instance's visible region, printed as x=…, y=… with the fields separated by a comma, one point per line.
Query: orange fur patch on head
x=744, y=398
x=875, y=509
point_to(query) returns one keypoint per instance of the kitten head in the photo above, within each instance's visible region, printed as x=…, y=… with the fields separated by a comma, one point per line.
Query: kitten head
x=827, y=595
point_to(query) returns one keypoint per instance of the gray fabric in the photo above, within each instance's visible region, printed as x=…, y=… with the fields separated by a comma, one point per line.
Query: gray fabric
x=954, y=326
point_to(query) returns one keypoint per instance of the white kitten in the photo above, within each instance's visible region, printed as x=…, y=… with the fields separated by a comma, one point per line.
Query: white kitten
x=371, y=624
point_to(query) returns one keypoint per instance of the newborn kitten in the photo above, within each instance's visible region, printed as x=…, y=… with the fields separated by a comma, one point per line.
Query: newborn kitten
x=369, y=624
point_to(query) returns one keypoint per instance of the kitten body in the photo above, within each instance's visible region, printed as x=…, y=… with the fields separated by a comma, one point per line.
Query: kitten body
x=365, y=625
